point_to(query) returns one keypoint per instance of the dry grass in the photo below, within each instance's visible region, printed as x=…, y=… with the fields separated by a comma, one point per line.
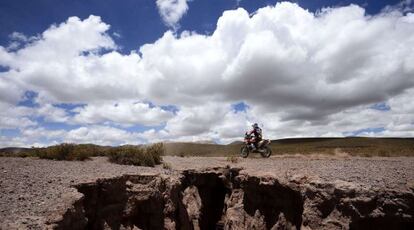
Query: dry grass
x=196, y=149
x=232, y=159
x=63, y=151
x=132, y=155
x=353, y=146
x=137, y=155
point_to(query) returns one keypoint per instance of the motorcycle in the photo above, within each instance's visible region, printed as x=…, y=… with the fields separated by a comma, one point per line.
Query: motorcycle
x=263, y=148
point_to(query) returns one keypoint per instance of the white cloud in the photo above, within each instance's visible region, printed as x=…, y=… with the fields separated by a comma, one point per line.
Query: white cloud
x=301, y=73
x=102, y=135
x=60, y=43
x=38, y=133
x=124, y=112
x=12, y=117
x=192, y=121
x=211, y=121
x=64, y=68
x=308, y=65
x=172, y=11
x=404, y=6
x=18, y=39
x=12, y=122
x=51, y=113
x=9, y=91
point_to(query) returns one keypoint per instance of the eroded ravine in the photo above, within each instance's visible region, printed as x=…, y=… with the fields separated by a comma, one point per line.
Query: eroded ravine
x=227, y=198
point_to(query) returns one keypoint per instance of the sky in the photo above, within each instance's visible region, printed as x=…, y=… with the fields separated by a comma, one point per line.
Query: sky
x=142, y=71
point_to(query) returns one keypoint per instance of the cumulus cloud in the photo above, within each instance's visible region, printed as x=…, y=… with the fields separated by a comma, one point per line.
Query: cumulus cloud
x=301, y=73
x=172, y=11
x=9, y=91
x=296, y=67
x=12, y=117
x=403, y=6
x=102, y=135
x=127, y=113
x=213, y=122
x=286, y=58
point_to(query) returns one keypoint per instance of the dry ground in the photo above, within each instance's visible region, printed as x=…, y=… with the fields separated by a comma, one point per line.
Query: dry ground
x=33, y=191
x=355, y=146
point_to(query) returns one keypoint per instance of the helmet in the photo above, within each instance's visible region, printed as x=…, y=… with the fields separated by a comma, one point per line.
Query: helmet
x=255, y=125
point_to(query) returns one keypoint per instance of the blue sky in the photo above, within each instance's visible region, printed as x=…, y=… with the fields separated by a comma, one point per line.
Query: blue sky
x=133, y=71
x=137, y=21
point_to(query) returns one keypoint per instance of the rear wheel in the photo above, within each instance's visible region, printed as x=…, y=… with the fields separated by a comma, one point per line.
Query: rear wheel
x=267, y=151
x=244, y=152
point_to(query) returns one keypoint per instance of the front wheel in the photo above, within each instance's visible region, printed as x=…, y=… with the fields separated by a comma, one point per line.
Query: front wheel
x=244, y=151
x=267, y=151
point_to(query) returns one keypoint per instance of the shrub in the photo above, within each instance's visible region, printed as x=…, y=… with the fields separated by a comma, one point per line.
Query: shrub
x=156, y=151
x=62, y=152
x=25, y=154
x=232, y=159
x=81, y=154
x=136, y=155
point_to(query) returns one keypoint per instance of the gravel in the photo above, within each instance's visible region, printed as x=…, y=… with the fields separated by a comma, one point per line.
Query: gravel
x=380, y=172
x=32, y=189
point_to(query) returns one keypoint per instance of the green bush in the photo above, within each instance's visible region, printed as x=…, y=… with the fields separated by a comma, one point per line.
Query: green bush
x=137, y=155
x=81, y=154
x=66, y=151
x=91, y=150
x=24, y=154
x=63, y=152
x=156, y=151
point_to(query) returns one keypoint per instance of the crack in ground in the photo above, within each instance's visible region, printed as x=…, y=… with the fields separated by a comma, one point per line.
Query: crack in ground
x=224, y=198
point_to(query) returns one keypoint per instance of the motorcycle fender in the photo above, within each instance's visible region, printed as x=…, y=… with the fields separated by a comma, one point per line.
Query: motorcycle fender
x=261, y=143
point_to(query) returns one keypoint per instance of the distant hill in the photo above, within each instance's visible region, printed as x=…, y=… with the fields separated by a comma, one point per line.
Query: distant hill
x=236, y=143
x=206, y=142
x=198, y=149
x=13, y=150
x=363, y=146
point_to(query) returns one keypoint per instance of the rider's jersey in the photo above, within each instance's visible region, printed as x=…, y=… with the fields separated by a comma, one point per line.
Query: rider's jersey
x=257, y=132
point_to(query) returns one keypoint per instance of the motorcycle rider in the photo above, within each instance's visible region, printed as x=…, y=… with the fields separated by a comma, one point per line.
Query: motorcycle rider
x=255, y=136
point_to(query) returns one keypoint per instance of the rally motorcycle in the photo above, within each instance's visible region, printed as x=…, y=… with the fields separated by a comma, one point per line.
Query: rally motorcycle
x=262, y=147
